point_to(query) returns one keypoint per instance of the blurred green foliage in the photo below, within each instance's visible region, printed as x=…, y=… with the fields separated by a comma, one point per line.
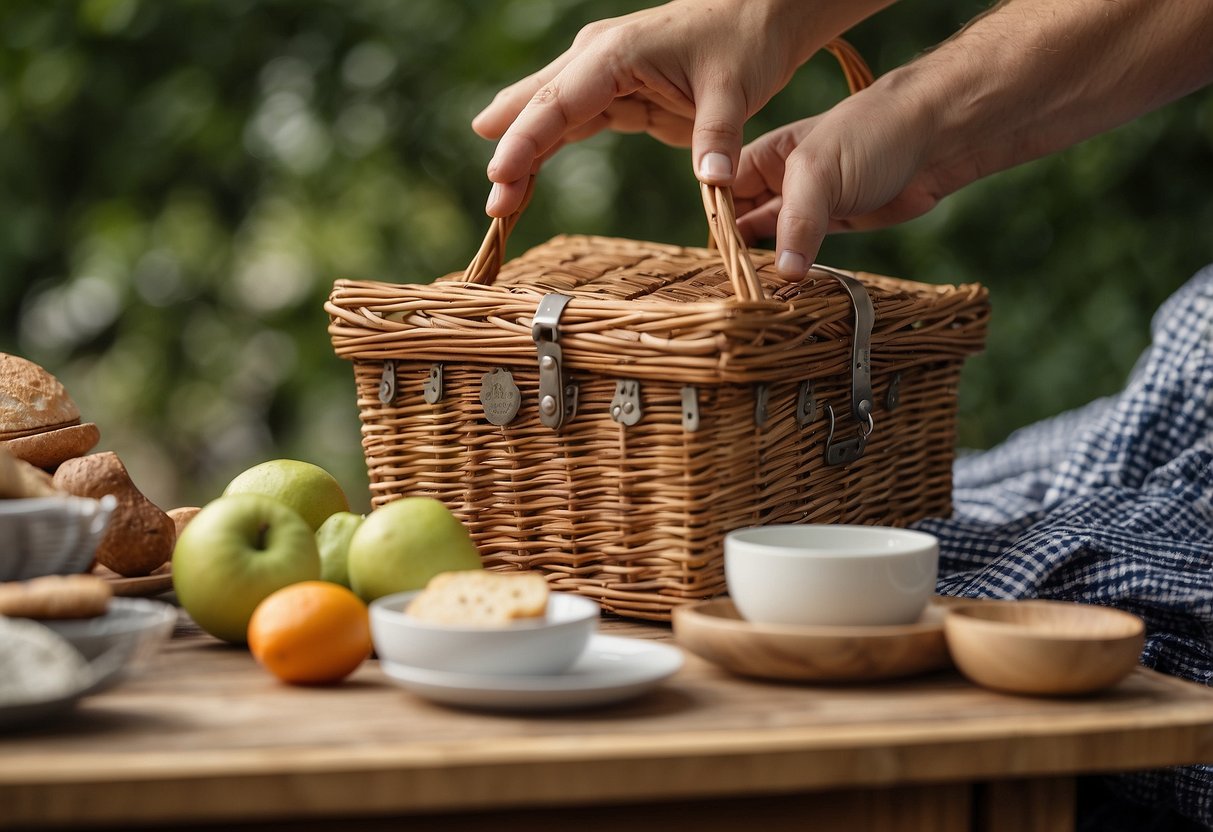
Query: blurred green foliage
x=181, y=181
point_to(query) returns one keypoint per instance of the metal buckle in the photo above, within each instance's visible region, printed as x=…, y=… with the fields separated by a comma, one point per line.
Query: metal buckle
x=849, y=450
x=545, y=329
x=846, y=450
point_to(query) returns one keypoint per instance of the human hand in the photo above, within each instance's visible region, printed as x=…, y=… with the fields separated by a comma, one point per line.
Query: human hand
x=997, y=94
x=866, y=163
x=687, y=73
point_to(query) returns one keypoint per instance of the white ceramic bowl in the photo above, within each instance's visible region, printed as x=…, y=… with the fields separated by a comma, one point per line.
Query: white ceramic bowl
x=530, y=647
x=129, y=632
x=51, y=535
x=832, y=575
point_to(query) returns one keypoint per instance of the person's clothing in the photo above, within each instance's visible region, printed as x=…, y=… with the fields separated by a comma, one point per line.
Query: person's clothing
x=1111, y=504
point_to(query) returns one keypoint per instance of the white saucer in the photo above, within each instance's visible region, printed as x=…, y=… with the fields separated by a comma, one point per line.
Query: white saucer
x=611, y=669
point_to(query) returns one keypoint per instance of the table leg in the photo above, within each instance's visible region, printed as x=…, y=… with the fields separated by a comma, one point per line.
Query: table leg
x=1042, y=805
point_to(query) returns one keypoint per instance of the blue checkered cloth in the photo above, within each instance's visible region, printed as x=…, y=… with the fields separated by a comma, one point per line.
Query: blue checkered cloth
x=1111, y=504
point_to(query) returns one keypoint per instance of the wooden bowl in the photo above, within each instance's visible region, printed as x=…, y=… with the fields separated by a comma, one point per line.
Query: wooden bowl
x=715, y=631
x=1050, y=648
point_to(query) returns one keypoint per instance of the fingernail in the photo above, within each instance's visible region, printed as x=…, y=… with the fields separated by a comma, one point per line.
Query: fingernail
x=715, y=167
x=494, y=192
x=791, y=263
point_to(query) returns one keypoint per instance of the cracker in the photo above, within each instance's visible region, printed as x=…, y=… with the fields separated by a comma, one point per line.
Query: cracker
x=55, y=596
x=475, y=598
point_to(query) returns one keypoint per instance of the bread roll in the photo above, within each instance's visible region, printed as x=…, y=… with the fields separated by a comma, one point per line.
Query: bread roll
x=31, y=399
x=475, y=598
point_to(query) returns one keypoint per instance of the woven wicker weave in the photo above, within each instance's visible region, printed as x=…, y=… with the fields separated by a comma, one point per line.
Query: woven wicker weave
x=634, y=514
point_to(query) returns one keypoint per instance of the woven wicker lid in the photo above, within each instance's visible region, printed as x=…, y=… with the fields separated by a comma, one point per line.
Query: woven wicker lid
x=651, y=310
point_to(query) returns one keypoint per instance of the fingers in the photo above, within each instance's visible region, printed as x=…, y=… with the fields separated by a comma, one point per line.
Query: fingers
x=809, y=191
x=575, y=95
x=494, y=119
x=720, y=114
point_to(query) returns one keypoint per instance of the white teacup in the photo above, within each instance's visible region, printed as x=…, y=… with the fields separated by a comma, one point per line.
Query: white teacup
x=830, y=574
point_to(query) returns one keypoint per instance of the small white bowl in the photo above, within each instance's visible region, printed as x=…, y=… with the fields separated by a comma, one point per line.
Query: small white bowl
x=830, y=575
x=528, y=647
x=51, y=535
x=131, y=630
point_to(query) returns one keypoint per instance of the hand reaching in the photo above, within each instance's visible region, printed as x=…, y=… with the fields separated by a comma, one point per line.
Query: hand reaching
x=687, y=73
x=863, y=164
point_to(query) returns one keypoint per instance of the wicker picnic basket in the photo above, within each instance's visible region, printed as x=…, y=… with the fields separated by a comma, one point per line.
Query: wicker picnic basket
x=605, y=410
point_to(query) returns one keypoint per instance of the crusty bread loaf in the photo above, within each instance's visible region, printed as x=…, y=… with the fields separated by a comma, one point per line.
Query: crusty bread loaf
x=475, y=598
x=51, y=448
x=31, y=399
x=19, y=479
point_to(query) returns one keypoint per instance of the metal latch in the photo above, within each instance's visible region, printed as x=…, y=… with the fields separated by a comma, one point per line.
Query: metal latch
x=806, y=404
x=690, y=409
x=893, y=396
x=625, y=407
x=387, y=383
x=553, y=392
x=844, y=450
x=432, y=392
x=762, y=397
x=848, y=450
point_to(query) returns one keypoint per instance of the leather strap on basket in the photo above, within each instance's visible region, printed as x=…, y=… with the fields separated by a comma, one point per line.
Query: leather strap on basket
x=717, y=205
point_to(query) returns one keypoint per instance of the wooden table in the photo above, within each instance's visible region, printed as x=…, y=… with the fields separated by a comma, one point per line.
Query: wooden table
x=204, y=736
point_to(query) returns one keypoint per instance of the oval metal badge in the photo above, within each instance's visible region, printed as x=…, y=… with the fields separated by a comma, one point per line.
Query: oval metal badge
x=499, y=396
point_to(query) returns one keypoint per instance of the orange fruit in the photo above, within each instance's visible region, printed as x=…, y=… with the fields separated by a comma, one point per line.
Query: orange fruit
x=310, y=633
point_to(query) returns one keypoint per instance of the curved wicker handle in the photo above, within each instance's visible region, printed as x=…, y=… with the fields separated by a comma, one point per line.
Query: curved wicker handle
x=717, y=205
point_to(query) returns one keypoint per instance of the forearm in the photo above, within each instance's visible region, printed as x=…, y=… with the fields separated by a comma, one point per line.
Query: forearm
x=813, y=23
x=1034, y=76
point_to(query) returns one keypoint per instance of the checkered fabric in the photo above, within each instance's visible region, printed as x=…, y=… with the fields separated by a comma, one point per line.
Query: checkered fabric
x=1111, y=504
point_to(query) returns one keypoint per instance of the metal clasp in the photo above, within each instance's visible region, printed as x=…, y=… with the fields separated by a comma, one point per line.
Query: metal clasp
x=849, y=450
x=893, y=395
x=762, y=397
x=553, y=393
x=387, y=383
x=846, y=450
x=432, y=392
x=690, y=409
x=806, y=404
x=625, y=407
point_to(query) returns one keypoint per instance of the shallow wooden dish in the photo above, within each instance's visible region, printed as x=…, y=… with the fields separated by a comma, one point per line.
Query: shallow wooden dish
x=715, y=631
x=1043, y=647
x=142, y=586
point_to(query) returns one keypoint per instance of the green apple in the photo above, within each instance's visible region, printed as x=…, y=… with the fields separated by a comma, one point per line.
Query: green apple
x=333, y=541
x=400, y=546
x=309, y=489
x=233, y=554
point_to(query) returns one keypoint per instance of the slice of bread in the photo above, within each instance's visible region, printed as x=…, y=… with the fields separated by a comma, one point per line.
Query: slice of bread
x=475, y=598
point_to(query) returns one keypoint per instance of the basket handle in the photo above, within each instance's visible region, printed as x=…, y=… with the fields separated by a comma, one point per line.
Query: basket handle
x=717, y=205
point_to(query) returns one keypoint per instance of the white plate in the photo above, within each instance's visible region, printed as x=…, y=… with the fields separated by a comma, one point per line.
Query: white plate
x=610, y=670
x=113, y=644
x=103, y=671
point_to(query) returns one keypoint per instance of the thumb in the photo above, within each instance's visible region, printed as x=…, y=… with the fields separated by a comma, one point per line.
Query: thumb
x=716, y=141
